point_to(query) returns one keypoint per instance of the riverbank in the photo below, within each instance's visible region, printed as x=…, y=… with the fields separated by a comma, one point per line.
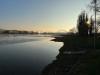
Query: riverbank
x=76, y=57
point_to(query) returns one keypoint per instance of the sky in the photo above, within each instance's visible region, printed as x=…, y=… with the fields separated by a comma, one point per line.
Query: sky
x=40, y=15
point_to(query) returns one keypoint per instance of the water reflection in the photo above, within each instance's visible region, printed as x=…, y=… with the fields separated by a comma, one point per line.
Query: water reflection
x=28, y=58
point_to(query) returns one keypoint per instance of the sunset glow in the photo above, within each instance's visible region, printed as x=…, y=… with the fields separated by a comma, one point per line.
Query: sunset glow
x=40, y=15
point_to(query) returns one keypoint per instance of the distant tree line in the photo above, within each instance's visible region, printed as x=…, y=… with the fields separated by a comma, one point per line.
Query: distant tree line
x=17, y=32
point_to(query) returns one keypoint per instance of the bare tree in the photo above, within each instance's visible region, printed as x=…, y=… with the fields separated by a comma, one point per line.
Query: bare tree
x=95, y=6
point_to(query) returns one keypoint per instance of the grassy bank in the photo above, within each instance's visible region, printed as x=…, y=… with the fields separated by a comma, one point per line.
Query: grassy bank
x=70, y=61
x=77, y=42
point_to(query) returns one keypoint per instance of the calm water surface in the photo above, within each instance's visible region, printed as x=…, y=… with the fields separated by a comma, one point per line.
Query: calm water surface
x=27, y=58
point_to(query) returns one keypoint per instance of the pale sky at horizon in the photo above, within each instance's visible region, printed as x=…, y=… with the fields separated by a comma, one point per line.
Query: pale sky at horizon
x=40, y=15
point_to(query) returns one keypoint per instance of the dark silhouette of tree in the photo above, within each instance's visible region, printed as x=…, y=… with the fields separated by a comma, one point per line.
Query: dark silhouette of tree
x=5, y=32
x=91, y=28
x=95, y=3
x=95, y=6
x=82, y=24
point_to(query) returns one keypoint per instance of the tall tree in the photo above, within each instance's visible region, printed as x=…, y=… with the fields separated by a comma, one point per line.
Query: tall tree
x=82, y=24
x=91, y=29
x=95, y=5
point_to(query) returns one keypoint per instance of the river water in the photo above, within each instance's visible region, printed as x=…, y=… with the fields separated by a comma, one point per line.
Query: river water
x=26, y=55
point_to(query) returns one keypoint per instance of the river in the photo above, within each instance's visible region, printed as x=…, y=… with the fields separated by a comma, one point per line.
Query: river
x=26, y=55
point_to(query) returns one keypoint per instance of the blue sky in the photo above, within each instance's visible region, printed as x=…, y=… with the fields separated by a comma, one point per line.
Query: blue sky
x=40, y=15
